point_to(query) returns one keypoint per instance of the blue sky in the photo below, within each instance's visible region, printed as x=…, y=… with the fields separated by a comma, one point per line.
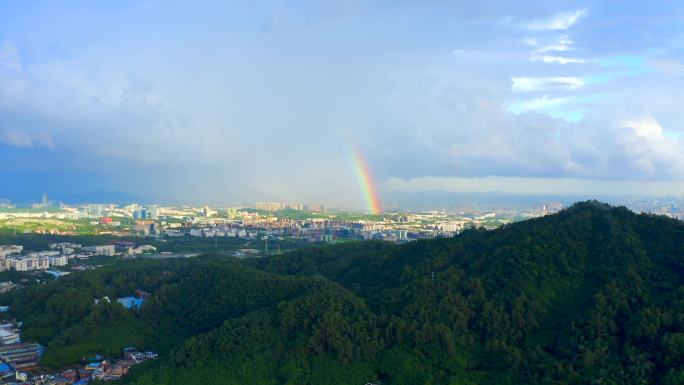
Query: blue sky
x=222, y=102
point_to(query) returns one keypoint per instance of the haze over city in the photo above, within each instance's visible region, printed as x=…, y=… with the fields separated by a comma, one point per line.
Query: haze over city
x=222, y=102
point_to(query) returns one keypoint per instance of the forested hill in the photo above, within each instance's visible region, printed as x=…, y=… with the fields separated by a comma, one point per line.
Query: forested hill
x=592, y=295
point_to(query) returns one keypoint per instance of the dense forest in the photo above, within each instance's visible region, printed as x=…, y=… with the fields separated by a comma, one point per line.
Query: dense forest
x=591, y=295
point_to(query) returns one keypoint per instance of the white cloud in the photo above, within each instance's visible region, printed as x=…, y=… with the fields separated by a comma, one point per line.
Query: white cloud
x=551, y=59
x=559, y=21
x=529, y=84
x=546, y=53
x=670, y=67
x=561, y=45
x=96, y=109
x=645, y=126
x=537, y=104
x=531, y=41
x=647, y=148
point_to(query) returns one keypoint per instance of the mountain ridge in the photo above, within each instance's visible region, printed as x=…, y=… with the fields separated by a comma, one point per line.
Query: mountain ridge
x=592, y=294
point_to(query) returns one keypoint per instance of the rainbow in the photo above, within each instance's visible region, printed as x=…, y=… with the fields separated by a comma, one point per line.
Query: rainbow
x=367, y=184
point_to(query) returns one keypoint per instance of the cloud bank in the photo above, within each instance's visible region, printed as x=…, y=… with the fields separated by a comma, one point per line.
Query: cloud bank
x=221, y=103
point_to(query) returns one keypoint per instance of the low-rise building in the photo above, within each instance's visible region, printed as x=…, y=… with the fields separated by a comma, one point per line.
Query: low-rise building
x=9, y=336
x=6, y=250
x=142, y=249
x=21, y=355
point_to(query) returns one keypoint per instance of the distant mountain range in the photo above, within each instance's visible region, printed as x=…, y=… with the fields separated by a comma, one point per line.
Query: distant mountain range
x=431, y=200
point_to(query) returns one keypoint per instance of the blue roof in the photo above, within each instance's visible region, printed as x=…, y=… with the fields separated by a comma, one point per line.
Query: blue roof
x=131, y=302
x=56, y=273
x=5, y=368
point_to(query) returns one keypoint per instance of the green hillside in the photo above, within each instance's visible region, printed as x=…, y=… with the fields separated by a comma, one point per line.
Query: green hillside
x=592, y=295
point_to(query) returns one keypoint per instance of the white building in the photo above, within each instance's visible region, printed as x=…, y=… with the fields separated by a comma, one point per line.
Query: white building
x=59, y=261
x=6, y=250
x=43, y=263
x=452, y=226
x=19, y=264
x=141, y=250
x=108, y=250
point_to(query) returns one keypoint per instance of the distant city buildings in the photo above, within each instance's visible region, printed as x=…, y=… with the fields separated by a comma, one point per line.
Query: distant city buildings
x=293, y=220
x=268, y=206
x=271, y=219
x=107, y=250
x=277, y=206
x=14, y=257
x=45, y=203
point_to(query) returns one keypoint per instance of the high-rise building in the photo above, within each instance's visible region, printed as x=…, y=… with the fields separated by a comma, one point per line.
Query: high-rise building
x=44, y=200
x=315, y=207
x=269, y=206
x=95, y=210
x=294, y=206
x=154, y=213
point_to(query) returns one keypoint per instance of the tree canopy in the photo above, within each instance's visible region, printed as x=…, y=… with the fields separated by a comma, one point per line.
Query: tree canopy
x=591, y=295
